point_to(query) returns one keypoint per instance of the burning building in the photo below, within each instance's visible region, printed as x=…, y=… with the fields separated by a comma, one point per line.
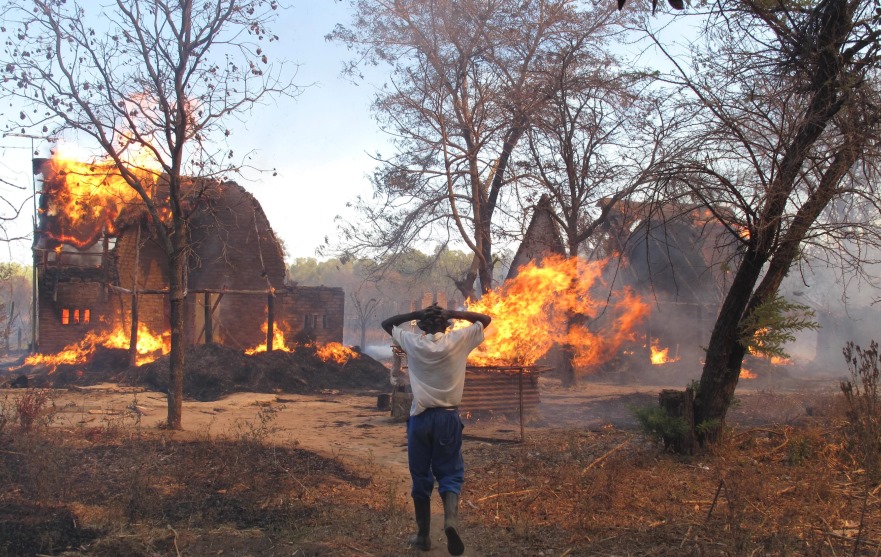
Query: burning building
x=673, y=258
x=658, y=270
x=101, y=272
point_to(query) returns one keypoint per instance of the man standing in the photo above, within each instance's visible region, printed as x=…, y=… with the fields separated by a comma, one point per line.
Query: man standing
x=436, y=361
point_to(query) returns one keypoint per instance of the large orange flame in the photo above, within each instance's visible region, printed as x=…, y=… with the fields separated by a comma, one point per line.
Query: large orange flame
x=530, y=315
x=149, y=348
x=336, y=352
x=83, y=200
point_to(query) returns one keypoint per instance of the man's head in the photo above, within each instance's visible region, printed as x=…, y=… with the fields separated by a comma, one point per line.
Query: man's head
x=433, y=320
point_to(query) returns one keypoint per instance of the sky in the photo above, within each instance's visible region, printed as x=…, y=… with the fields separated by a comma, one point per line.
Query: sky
x=319, y=143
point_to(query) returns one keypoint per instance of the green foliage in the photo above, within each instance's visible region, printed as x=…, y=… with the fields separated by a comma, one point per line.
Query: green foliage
x=800, y=449
x=11, y=269
x=772, y=324
x=428, y=272
x=308, y=271
x=658, y=424
x=708, y=427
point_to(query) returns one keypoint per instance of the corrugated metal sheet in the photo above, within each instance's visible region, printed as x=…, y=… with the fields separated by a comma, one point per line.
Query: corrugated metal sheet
x=508, y=390
x=503, y=390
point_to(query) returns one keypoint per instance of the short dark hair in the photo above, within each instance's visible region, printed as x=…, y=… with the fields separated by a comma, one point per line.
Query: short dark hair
x=433, y=321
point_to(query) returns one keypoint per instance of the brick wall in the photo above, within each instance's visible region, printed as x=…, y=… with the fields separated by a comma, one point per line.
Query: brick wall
x=153, y=309
x=315, y=311
x=59, y=329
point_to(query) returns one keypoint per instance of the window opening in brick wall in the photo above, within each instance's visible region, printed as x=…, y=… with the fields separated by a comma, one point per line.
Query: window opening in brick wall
x=75, y=316
x=324, y=321
x=315, y=320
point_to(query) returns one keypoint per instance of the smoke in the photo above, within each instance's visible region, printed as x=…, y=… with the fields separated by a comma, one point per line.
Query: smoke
x=846, y=307
x=379, y=352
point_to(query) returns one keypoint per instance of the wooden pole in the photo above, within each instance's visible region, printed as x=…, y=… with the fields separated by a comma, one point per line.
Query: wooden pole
x=270, y=321
x=209, y=329
x=520, y=400
x=133, y=341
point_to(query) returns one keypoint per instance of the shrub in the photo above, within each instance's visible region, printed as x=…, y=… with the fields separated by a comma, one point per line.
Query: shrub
x=864, y=407
x=658, y=424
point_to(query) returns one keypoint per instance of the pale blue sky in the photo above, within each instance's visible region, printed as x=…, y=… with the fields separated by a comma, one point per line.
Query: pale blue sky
x=319, y=142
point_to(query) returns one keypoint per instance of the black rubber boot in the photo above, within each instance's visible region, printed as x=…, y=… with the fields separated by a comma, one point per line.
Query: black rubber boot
x=422, y=538
x=451, y=523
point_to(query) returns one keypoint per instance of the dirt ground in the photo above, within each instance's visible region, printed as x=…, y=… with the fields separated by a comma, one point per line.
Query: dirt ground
x=349, y=427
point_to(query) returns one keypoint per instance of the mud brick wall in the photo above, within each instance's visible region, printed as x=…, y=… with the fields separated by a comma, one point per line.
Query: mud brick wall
x=314, y=311
x=54, y=335
x=240, y=320
x=153, y=310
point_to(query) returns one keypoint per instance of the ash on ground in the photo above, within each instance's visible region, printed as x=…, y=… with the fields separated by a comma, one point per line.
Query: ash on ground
x=212, y=371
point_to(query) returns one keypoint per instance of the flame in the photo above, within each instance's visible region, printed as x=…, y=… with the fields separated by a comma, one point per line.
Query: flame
x=81, y=200
x=747, y=374
x=278, y=342
x=757, y=352
x=530, y=315
x=149, y=348
x=336, y=352
x=331, y=351
x=660, y=355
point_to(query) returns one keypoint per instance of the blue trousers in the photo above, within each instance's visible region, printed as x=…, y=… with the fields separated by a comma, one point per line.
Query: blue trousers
x=434, y=450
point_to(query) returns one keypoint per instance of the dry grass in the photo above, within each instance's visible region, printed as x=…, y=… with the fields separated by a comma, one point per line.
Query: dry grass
x=780, y=491
x=119, y=490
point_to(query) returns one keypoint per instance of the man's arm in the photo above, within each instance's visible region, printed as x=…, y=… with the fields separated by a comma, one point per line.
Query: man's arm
x=396, y=320
x=472, y=316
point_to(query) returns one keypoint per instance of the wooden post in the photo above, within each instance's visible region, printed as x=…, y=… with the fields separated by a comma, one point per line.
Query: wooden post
x=520, y=401
x=270, y=321
x=401, y=398
x=209, y=326
x=679, y=404
x=133, y=340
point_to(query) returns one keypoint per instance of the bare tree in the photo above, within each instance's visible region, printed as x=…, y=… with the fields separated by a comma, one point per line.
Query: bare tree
x=469, y=77
x=365, y=312
x=159, y=77
x=784, y=120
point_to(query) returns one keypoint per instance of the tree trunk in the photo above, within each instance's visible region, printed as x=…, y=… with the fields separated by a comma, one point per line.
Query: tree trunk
x=567, y=369
x=679, y=404
x=486, y=264
x=568, y=376
x=725, y=352
x=177, y=284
